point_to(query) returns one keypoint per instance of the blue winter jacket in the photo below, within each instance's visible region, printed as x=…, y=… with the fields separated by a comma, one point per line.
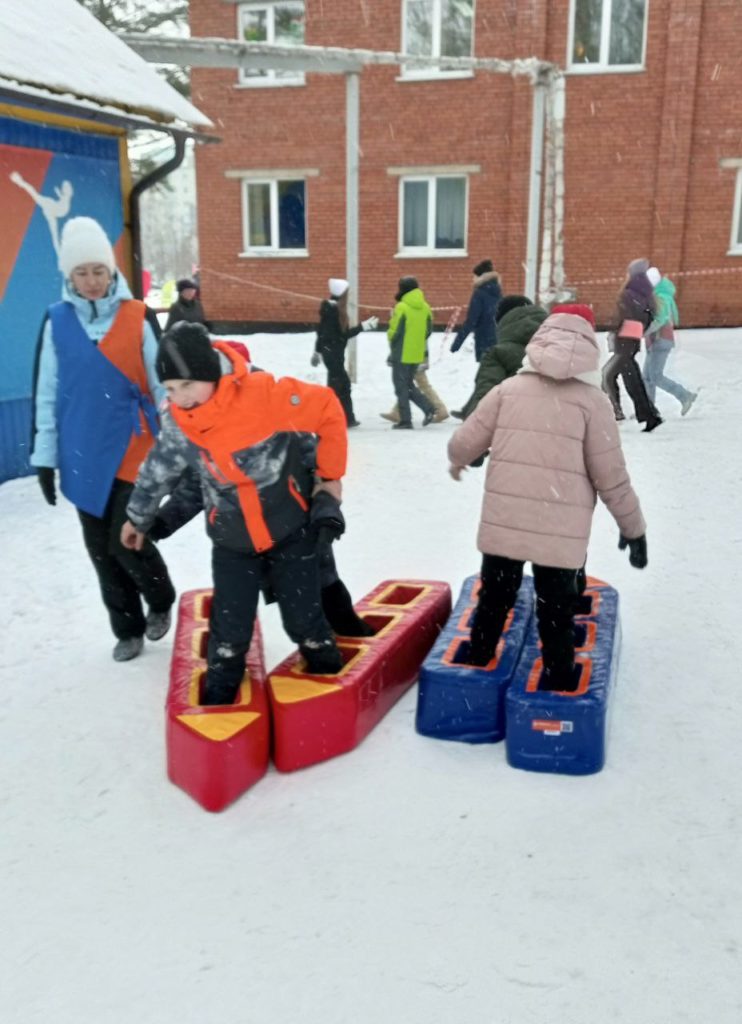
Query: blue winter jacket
x=480, y=316
x=97, y=319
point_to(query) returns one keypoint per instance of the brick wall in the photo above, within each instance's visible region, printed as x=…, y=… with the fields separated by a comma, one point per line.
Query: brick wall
x=642, y=160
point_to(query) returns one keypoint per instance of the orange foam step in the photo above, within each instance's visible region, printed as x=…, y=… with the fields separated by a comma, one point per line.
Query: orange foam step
x=316, y=717
x=214, y=753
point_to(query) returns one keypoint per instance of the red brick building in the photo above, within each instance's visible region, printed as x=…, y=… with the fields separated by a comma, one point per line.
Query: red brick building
x=653, y=162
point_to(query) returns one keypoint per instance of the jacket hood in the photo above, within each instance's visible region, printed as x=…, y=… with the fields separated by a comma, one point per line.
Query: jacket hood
x=414, y=299
x=519, y=325
x=118, y=291
x=665, y=289
x=563, y=347
x=487, y=278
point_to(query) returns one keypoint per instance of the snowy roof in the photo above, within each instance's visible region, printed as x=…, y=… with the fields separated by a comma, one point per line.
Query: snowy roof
x=58, y=46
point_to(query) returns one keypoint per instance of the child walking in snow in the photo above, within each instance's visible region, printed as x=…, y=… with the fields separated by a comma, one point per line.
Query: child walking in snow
x=96, y=393
x=243, y=433
x=409, y=329
x=660, y=341
x=554, y=445
x=333, y=334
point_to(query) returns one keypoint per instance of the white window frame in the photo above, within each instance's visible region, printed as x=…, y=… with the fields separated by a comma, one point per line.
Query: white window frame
x=271, y=250
x=420, y=74
x=735, y=244
x=429, y=251
x=268, y=78
x=601, y=66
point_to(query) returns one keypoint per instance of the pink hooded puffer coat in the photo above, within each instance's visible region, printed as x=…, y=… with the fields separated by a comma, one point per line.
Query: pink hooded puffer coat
x=554, y=444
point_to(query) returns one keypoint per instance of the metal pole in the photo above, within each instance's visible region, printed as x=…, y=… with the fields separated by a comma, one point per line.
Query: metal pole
x=534, y=187
x=352, y=149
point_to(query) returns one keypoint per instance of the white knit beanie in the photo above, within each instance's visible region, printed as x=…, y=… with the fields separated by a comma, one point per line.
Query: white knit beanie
x=84, y=241
x=654, y=276
x=337, y=287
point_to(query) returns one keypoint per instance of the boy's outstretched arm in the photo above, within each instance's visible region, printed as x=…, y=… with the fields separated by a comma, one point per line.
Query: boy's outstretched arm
x=158, y=476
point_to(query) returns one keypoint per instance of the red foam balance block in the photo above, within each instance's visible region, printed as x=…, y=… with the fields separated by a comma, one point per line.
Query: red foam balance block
x=316, y=717
x=214, y=753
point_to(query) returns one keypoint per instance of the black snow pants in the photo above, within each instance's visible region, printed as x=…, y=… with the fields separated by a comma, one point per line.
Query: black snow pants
x=125, y=576
x=556, y=595
x=339, y=381
x=292, y=571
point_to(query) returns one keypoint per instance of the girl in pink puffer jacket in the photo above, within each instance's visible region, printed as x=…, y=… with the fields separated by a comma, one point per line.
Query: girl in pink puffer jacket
x=554, y=446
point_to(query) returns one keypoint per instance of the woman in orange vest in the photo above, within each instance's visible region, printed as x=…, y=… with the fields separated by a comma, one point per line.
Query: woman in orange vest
x=95, y=418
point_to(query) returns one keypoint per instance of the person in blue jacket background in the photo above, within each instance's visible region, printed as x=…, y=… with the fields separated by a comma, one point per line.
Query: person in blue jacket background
x=96, y=395
x=480, y=316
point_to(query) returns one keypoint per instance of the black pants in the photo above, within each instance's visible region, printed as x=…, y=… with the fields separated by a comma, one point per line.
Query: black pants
x=125, y=576
x=292, y=572
x=339, y=381
x=623, y=362
x=403, y=378
x=556, y=594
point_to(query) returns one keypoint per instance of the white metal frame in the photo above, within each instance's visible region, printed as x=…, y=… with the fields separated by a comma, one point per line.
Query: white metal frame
x=268, y=79
x=270, y=250
x=417, y=74
x=601, y=66
x=735, y=242
x=430, y=250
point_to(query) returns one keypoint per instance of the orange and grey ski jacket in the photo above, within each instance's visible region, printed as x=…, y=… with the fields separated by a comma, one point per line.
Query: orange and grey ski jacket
x=246, y=443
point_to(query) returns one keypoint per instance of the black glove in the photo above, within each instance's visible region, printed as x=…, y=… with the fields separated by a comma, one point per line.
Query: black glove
x=325, y=517
x=637, y=550
x=159, y=529
x=46, y=483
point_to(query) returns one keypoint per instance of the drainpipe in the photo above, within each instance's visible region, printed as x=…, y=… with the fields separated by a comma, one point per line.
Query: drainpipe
x=534, y=186
x=134, y=219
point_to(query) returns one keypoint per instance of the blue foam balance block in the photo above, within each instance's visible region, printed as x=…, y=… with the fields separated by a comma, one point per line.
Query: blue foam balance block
x=458, y=701
x=566, y=732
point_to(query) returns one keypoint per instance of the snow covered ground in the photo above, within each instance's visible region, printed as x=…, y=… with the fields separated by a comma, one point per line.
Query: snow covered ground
x=411, y=881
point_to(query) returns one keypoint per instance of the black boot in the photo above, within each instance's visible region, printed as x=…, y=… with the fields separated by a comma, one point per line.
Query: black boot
x=322, y=657
x=340, y=613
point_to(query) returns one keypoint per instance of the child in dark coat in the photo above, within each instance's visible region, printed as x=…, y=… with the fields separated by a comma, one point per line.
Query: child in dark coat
x=333, y=334
x=480, y=317
x=187, y=306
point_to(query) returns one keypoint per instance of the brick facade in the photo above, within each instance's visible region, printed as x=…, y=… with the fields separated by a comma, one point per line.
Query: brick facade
x=642, y=163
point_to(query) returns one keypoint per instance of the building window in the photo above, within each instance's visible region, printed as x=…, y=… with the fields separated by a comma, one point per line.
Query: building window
x=281, y=24
x=436, y=28
x=607, y=35
x=274, y=217
x=433, y=214
x=735, y=244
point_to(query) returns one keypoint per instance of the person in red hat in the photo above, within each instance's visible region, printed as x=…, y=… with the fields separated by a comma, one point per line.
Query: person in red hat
x=555, y=448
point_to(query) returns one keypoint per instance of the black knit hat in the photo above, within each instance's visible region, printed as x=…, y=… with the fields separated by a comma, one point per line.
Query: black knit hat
x=406, y=284
x=186, y=282
x=485, y=267
x=508, y=302
x=185, y=353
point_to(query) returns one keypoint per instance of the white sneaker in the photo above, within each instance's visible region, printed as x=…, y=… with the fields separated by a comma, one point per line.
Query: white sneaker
x=686, y=405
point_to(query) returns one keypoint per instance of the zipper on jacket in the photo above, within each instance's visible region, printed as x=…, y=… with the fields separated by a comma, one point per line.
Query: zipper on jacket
x=297, y=495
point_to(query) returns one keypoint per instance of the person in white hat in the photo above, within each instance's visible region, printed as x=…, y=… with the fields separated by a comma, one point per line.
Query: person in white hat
x=333, y=334
x=96, y=395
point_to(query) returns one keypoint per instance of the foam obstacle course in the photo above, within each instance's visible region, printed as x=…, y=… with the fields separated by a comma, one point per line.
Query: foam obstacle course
x=544, y=730
x=459, y=701
x=319, y=717
x=566, y=732
x=213, y=753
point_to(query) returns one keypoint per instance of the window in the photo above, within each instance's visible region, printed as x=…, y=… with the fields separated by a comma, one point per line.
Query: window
x=607, y=34
x=735, y=244
x=274, y=217
x=433, y=214
x=436, y=28
x=281, y=24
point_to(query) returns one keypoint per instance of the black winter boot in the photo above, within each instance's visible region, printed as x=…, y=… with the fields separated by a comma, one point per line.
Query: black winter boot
x=322, y=657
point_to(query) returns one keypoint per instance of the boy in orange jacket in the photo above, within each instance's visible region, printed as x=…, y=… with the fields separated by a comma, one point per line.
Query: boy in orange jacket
x=243, y=434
